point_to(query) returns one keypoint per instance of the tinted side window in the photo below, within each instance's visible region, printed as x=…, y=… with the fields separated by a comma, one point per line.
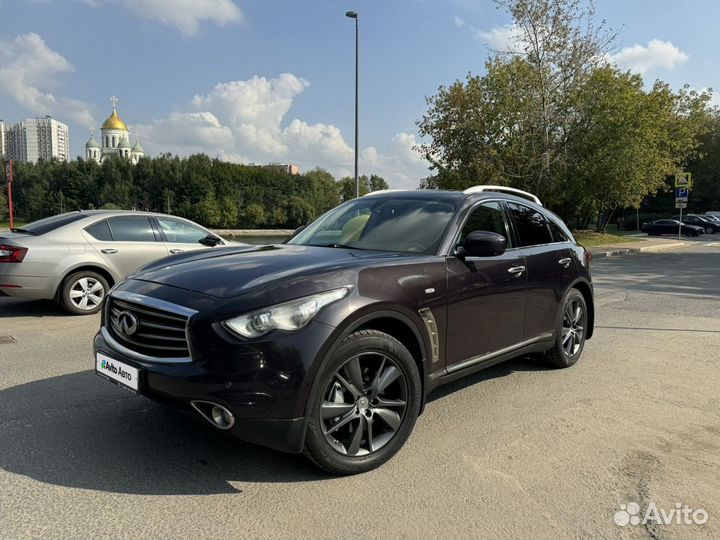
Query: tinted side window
x=486, y=217
x=180, y=232
x=558, y=233
x=131, y=229
x=531, y=225
x=100, y=231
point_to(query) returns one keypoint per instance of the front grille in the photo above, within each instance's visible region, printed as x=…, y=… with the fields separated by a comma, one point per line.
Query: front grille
x=159, y=333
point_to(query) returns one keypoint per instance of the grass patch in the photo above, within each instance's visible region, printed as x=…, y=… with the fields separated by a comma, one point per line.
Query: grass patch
x=590, y=238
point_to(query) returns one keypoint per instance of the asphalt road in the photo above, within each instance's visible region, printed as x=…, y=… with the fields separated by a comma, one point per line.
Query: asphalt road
x=517, y=451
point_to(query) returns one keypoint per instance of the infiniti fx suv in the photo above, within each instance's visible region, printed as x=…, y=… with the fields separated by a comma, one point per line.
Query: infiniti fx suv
x=329, y=344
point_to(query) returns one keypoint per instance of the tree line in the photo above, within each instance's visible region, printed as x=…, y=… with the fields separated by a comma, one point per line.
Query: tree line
x=552, y=114
x=211, y=192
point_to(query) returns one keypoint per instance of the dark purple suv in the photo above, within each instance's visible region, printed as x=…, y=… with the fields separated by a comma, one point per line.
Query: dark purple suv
x=330, y=343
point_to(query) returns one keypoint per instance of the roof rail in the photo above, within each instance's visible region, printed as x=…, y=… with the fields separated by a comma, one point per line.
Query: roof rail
x=503, y=189
x=382, y=191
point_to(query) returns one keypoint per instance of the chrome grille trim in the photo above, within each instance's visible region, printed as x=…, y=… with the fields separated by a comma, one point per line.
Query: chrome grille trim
x=162, y=327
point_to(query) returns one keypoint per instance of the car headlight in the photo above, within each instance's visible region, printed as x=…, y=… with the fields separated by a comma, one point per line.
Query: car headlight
x=288, y=316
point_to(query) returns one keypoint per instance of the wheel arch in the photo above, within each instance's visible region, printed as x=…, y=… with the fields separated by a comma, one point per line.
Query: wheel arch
x=85, y=267
x=397, y=325
x=586, y=290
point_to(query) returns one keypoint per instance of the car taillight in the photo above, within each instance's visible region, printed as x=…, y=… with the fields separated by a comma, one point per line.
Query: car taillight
x=12, y=254
x=588, y=258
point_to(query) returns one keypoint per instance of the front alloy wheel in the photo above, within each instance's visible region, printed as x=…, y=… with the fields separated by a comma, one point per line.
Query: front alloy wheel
x=363, y=404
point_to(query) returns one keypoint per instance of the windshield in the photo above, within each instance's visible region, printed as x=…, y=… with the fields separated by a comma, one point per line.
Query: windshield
x=406, y=225
x=49, y=224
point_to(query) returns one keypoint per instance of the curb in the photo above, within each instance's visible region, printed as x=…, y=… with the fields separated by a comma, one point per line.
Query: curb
x=626, y=251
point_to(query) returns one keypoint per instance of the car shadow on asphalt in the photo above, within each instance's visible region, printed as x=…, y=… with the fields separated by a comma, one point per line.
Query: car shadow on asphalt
x=15, y=307
x=79, y=431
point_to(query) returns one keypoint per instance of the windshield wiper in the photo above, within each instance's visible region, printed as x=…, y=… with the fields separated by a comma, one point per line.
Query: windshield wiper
x=342, y=246
x=17, y=229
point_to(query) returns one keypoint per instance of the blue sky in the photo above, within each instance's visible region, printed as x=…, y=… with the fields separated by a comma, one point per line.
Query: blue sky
x=272, y=80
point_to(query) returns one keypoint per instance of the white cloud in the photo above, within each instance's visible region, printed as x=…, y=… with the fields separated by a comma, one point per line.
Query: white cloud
x=185, y=15
x=28, y=67
x=247, y=121
x=506, y=38
x=657, y=54
x=401, y=165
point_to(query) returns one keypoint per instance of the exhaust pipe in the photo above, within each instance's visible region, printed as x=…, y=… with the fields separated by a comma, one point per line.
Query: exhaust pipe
x=217, y=415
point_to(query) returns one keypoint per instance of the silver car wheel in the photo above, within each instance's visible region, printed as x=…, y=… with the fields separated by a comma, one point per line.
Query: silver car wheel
x=87, y=293
x=573, y=331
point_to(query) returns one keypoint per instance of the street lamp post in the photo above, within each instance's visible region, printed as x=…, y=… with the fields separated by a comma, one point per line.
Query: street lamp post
x=354, y=15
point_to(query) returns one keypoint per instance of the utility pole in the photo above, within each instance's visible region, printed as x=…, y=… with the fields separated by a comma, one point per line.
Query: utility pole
x=354, y=15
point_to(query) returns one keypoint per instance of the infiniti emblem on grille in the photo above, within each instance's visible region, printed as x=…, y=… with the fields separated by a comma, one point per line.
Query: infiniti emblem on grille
x=127, y=323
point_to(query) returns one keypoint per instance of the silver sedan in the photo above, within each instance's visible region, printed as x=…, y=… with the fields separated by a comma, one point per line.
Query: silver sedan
x=75, y=258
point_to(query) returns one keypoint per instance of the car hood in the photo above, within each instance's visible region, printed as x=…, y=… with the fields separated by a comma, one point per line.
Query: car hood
x=232, y=271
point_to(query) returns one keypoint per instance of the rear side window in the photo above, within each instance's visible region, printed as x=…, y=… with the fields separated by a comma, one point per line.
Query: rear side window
x=486, y=217
x=558, y=233
x=100, y=231
x=531, y=225
x=131, y=229
x=47, y=225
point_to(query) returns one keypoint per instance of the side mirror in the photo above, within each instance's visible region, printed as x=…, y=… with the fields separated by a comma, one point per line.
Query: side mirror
x=210, y=240
x=483, y=244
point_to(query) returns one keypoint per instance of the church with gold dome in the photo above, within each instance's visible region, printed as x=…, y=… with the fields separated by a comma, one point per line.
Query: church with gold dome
x=114, y=140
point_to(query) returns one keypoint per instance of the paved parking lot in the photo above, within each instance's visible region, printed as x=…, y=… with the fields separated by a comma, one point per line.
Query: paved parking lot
x=516, y=451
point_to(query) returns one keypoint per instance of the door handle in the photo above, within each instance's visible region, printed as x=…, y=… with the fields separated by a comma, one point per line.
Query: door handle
x=517, y=270
x=175, y=250
x=108, y=251
x=565, y=262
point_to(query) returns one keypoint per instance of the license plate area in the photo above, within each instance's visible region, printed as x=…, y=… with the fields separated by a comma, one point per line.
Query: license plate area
x=117, y=372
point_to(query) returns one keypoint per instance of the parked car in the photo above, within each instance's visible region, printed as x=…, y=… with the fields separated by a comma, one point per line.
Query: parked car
x=329, y=344
x=75, y=258
x=709, y=226
x=715, y=213
x=670, y=226
x=713, y=218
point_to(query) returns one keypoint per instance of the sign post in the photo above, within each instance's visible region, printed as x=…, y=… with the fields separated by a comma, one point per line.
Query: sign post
x=683, y=185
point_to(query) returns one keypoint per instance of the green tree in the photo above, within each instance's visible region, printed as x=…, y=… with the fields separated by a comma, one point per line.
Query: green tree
x=254, y=216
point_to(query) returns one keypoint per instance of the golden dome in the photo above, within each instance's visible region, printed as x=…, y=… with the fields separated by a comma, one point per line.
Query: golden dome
x=114, y=122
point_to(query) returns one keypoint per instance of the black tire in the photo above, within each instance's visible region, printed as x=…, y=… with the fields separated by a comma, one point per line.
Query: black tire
x=709, y=230
x=379, y=356
x=74, y=284
x=563, y=353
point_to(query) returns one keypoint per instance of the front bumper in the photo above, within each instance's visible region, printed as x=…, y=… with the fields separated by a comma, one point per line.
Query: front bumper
x=265, y=384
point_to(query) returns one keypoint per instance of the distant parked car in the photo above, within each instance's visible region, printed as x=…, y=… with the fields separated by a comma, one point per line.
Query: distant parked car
x=715, y=213
x=670, y=226
x=75, y=258
x=710, y=226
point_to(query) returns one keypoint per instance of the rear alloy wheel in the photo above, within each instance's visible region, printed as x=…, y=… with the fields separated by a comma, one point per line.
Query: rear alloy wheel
x=83, y=293
x=709, y=230
x=571, y=331
x=364, y=404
